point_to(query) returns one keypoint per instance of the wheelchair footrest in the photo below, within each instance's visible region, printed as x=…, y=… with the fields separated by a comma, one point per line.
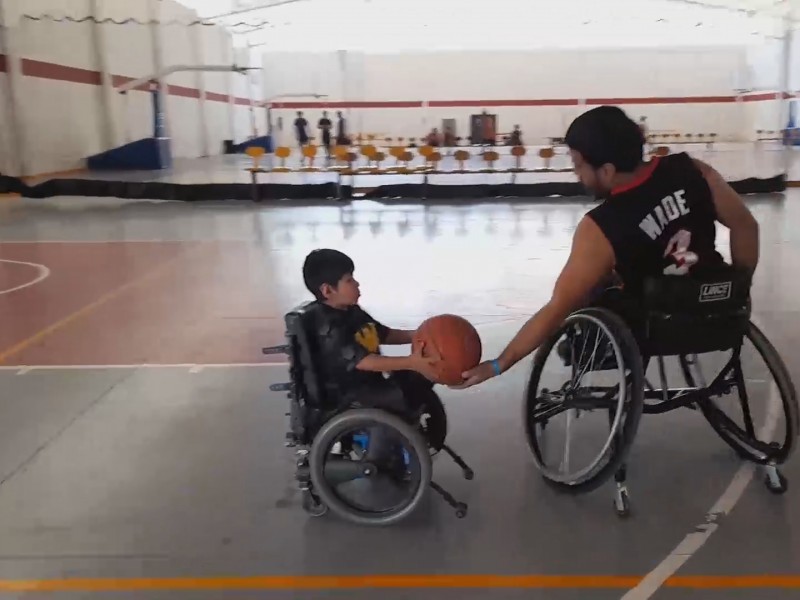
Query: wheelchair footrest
x=280, y=387
x=469, y=474
x=284, y=349
x=461, y=508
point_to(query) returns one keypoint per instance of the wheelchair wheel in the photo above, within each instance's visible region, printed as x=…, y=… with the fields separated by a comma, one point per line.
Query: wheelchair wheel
x=749, y=423
x=382, y=476
x=602, y=400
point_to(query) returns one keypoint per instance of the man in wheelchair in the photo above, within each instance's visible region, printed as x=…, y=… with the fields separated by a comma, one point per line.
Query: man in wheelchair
x=367, y=418
x=656, y=219
x=644, y=276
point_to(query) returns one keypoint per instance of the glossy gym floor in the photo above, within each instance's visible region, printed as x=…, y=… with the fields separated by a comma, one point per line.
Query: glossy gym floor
x=141, y=453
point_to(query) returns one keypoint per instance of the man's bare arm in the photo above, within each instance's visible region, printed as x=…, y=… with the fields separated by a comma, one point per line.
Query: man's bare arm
x=734, y=214
x=590, y=262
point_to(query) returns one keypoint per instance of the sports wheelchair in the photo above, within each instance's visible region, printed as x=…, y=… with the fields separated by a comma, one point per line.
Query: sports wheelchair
x=369, y=466
x=605, y=359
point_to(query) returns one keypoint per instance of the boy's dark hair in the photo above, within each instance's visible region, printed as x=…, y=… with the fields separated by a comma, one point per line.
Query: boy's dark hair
x=607, y=135
x=325, y=266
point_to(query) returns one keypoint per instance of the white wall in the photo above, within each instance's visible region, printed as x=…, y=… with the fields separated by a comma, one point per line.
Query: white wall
x=66, y=114
x=493, y=77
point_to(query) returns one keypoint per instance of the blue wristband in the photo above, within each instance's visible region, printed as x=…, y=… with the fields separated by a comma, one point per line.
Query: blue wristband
x=496, y=367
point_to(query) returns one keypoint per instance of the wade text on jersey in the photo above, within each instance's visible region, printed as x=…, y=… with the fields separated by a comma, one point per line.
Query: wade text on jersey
x=670, y=208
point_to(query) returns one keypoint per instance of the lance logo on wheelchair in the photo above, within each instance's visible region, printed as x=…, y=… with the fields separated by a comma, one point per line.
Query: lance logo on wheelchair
x=715, y=292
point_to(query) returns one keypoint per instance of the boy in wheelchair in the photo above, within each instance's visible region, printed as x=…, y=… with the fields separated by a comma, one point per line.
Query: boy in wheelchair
x=348, y=345
x=337, y=370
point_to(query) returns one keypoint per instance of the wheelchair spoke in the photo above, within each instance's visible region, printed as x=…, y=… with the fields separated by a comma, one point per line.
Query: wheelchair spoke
x=585, y=366
x=547, y=411
x=564, y=467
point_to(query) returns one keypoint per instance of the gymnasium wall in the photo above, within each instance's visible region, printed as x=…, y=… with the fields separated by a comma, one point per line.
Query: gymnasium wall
x=678, y=89
x=62, y=75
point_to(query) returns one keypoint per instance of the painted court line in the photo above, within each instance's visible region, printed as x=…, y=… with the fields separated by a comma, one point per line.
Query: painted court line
x=194, y=368
x=418, y=582
x=695, y=540
x=92, y=306
x=42, y=273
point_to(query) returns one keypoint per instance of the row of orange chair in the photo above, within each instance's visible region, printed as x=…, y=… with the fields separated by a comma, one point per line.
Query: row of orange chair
x=346, y=159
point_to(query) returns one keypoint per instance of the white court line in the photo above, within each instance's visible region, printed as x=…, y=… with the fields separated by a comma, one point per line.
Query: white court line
x=194, y=368
x=44, y=273
x=693, y=541
x=135, y=241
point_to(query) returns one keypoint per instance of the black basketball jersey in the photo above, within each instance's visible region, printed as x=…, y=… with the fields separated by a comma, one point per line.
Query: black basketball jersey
x=664, y=223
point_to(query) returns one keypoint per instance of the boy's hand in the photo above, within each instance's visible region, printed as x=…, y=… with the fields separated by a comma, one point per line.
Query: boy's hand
x=426, y=362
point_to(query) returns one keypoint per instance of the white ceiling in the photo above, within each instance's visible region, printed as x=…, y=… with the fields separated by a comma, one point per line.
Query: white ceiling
x=407, y=25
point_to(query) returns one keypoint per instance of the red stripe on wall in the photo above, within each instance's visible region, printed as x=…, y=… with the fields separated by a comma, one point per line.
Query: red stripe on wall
x=498, y=103
x=46, y=70
x=56, y=72
x=117, y=80
x=765, y=96
x=664, y=100
x=349, y=104
x=215, y=97
x=183, y=92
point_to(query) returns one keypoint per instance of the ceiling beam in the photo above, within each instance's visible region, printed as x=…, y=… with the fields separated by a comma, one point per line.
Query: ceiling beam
x=261, y=6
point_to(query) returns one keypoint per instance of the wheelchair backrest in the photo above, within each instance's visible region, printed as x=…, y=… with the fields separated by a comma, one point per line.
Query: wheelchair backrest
x=303, y=353
x=696, y=314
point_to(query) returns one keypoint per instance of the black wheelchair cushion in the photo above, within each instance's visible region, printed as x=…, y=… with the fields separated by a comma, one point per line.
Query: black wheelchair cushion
x=696, y=314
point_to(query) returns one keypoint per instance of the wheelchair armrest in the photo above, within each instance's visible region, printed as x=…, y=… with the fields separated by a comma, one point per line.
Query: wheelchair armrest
x=284, y=349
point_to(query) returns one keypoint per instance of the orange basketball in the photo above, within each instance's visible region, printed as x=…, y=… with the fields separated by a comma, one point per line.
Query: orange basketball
x=457, y=342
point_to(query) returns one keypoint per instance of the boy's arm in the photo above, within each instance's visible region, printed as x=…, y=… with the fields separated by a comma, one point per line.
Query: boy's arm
x=398, y=337
x=386, y=364
x=389, y=336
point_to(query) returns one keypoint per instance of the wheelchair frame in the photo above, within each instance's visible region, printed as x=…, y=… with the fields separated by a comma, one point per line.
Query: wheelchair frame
x=312, y=416
x=735, y=315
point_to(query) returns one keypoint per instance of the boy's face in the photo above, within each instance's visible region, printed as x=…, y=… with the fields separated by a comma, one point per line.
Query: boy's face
x=346, y=292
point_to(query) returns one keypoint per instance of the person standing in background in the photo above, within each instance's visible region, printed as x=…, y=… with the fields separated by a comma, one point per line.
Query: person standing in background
x=341, y=130
x=325, y=126
x=301, y=129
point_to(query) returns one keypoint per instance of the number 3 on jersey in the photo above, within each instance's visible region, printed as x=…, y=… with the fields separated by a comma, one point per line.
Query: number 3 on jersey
x=678, y=253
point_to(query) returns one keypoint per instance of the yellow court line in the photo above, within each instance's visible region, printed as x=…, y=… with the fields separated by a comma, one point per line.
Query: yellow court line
x=394, y=582
x=91, y=307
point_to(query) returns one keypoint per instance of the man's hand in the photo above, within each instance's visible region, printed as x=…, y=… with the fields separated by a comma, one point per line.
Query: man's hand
x=479, y=374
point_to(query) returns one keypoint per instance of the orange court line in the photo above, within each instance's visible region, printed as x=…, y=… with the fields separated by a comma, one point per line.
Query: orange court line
x=395, y=582
x=92, y=306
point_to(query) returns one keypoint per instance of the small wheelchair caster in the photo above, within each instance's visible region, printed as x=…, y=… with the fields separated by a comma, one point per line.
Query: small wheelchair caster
x=313, y=506
x=461, y=510
x=469, y=474
x=775, y=481
x=622, y=503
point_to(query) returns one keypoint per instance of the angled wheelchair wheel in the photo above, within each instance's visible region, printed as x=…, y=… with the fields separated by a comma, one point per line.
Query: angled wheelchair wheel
x=370, y=467
x=751, y=401
x=584, y=400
